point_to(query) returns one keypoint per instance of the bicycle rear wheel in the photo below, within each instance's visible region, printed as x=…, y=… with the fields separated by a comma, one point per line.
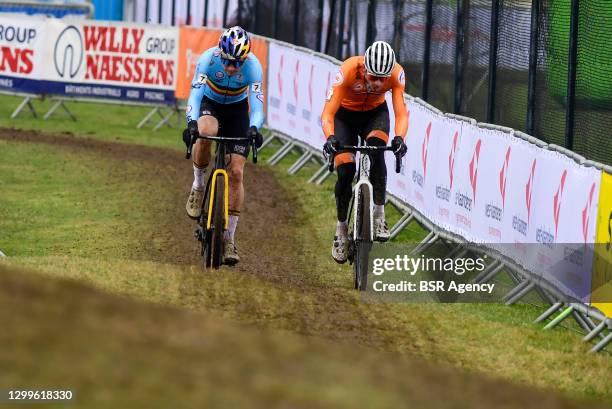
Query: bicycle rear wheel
x=363, y=242
x=213, y=246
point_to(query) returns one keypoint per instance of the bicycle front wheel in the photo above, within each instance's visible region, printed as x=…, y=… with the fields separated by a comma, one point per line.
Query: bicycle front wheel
x=213, y=256
x=363, y=242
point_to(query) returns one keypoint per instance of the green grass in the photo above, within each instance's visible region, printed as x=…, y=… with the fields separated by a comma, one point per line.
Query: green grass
x=112, y=351
x=93, y=212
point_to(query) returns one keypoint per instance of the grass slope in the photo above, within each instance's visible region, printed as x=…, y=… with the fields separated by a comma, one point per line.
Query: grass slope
x=98, y=247
x=116, y=352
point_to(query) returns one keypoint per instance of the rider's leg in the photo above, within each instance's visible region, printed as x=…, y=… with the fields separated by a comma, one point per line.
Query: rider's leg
x=207, y=126
x=345, y=167
x=378, y=178
x=235, y=173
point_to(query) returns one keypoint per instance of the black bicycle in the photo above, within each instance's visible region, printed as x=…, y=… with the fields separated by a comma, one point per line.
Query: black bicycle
x=362, y=236
x=213, y=221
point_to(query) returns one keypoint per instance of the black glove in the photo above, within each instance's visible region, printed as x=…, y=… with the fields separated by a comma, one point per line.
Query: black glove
x=331, y=145
x=399, y=147
x=253, y=133
x=192, y=130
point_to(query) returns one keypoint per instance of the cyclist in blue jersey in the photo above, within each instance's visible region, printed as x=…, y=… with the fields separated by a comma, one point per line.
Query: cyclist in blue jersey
x=226, y=95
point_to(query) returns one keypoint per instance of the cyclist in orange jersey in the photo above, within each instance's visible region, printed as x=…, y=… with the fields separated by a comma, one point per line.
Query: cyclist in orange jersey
x=356, y=107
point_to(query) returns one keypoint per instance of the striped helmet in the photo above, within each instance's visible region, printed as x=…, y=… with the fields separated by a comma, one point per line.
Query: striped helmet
x=379, y=59
x=234, y=44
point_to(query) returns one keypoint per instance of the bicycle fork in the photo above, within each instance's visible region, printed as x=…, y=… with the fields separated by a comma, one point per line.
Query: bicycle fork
x=357, y=205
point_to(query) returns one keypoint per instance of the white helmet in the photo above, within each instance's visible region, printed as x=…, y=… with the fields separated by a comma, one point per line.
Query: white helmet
x=379, y=59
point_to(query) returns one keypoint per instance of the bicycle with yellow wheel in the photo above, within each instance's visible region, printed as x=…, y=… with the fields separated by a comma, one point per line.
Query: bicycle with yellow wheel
x=213, y=221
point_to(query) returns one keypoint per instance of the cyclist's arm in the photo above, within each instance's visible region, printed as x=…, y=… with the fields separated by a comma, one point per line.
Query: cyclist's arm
x=197, y=88
x=399, y=105
x=332, y=104
x=256, y=97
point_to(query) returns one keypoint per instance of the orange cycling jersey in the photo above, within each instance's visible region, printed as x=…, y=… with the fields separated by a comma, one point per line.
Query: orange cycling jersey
x=351, y=91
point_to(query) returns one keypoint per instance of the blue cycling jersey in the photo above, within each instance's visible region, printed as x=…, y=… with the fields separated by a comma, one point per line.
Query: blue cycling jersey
x=211, y=80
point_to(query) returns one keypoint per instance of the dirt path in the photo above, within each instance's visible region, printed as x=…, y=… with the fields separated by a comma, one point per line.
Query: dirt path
x=270, y=243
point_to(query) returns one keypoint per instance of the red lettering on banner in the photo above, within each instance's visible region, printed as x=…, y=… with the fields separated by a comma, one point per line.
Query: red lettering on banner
x=129, y=69
x=94, y=37
x=125, y=40
x=16, y=60
x=149, y=66
x=137, y=34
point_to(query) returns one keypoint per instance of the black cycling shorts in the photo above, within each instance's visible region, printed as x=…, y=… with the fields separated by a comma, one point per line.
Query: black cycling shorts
x=349, y=124
x=233, y=122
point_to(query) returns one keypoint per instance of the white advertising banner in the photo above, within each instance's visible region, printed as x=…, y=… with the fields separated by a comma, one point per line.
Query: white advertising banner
x=298, y=83
x=111, y=60
x=564, y=223
x=418, y=179
x=442, y=153
x=22, y=45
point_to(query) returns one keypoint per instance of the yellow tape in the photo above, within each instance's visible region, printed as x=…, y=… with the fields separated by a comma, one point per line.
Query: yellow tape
x=212, y=197
x=602, y=261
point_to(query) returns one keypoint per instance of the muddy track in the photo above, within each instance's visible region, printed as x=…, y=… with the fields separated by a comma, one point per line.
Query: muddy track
x=270, y=243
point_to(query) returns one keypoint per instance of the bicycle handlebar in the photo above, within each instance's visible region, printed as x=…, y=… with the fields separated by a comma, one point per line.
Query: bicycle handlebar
x=194, y=138
x=366, y=149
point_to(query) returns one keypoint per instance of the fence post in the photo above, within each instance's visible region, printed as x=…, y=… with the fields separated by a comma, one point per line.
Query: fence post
x=371, y=23
x=225, y=10
x=458, y=83
x=533, y=66
x=397, y=28
x=205, y=22
x=276, y=15
x=296, y=22
x=159, y=12
x=571, y=76
x=173, y=14
x=320, y=26
x=493, y=60
x=188, y=12
x=427, y=50
x=341, y=17
x=146, y=11
x=330, y=24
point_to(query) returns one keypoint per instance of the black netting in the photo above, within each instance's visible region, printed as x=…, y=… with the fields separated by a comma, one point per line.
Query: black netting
x=476, y=46
x=514, y=33
x=412, y=44
x=407, y=34
x=593, y=120
x=443, y=38
x=552, y=71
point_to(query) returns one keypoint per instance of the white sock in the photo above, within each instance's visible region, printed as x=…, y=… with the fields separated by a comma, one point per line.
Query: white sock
x=379, y=211
x=231, y=228
x=342, y=228
x=198, y=176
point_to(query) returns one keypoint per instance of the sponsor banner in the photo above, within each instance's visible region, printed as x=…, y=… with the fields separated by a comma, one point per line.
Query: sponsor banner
x=442, y=154
x=111, y=60
x=193, y=41
x=488, y=176
x=299, y=83
x=416, y=184
x=22, y=42
x=565, y=199
x=517, y=175
x=465, y=183
x=602, y=264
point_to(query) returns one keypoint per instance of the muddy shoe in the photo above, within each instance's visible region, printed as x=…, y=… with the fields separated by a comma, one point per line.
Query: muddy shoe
x=381, y=231
x=340, y=249
x=194, y=203
x=230, y=254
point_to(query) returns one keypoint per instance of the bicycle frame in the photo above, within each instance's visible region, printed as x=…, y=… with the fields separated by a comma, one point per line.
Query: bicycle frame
x=364, y=180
